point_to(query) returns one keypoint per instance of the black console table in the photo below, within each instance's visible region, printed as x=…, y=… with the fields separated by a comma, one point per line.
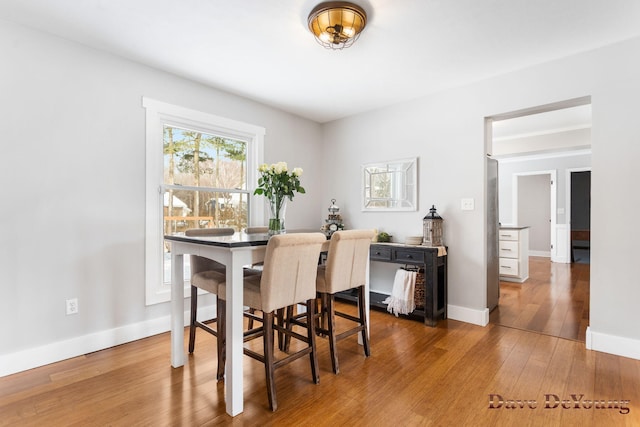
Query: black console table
x=435, y=271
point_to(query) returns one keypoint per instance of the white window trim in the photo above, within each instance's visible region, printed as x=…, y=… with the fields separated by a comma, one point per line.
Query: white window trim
x=157, y=115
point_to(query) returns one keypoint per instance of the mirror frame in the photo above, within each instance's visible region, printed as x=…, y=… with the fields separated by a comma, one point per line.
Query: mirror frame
x=406, y=194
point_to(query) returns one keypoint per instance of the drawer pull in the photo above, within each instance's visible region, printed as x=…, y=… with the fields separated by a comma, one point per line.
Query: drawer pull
x=505, y=266
x=506, y=249
x=377, y=253
x=409, y=256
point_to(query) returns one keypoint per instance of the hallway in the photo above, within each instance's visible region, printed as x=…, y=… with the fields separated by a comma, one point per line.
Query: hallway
x=553, y=301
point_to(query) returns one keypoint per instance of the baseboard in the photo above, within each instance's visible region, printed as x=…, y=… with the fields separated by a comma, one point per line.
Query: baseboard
x=61, y=350
x=544, y=254
x=613, y=344
x=468, y=315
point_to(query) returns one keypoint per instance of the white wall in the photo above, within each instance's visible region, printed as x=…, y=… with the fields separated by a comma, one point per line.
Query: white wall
x=73, y=174
x=446, y=131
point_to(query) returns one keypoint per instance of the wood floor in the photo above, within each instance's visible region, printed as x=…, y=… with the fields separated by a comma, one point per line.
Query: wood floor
x=416, y=376
x=554, y=300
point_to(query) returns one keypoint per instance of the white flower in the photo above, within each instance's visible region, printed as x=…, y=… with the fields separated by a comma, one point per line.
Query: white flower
x=297, y=171
x=263, y=167
x=279, y=167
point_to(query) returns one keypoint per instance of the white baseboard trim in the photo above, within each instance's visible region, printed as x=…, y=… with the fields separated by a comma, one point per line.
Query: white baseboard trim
x=468, y=315
x=544, y=254
x=61, y=350
x=613, y=344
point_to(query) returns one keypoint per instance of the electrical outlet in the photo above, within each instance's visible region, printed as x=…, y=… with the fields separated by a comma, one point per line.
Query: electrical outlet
x=467, y=205
x=72, y=306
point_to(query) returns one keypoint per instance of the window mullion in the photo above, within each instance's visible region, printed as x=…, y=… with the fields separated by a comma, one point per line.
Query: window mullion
x=166, y=187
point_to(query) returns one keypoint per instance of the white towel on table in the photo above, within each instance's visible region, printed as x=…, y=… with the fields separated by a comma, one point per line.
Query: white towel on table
x=401, y=300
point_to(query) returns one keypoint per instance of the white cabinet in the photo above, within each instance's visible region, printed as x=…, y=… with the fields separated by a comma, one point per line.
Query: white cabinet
x=513, y=250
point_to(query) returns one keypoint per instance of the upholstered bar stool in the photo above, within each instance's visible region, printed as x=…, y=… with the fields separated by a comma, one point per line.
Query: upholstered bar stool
x=346, y=268
x=288, y=278
x=257, y=230
x=206, y=274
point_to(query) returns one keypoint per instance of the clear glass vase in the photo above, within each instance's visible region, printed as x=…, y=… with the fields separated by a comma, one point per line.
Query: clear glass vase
x=277, y=211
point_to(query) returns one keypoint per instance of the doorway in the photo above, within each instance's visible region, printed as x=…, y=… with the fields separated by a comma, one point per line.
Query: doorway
x=553, y=147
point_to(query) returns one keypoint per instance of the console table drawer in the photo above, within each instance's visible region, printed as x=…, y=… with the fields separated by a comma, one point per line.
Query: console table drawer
x=409, y=256
x=380, y=253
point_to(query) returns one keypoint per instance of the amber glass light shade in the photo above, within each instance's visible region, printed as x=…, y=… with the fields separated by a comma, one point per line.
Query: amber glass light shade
x=337, y=24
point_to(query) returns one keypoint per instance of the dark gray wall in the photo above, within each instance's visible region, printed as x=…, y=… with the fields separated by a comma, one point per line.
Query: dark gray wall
x=581, y=200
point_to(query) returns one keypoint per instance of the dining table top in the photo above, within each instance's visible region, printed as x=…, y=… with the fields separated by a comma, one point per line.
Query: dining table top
x=236, y=240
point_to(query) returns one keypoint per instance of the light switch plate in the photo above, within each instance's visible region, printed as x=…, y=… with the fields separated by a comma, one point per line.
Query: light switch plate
x=467, y=205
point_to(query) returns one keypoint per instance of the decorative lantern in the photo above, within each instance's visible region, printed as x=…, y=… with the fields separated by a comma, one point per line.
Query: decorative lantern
x=432, y=228
x=334, y=221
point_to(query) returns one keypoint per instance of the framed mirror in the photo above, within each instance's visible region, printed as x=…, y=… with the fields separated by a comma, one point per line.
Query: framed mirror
x=390, y=186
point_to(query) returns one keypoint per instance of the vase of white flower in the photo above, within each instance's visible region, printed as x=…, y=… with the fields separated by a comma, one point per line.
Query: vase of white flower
x=277, y=184
x=277, y=211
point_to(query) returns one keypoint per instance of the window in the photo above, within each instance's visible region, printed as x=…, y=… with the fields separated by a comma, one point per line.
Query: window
x=200, y=172
x=205, y=182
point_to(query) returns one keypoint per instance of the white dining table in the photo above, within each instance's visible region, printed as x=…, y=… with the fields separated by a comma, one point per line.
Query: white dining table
x=234, y=252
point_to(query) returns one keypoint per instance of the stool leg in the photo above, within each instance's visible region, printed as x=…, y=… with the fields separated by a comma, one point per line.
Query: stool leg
x=363, y=321
x=289, y=326
x=331, y=318
x=269, y=359
x=311, y=336
x=250, y=325
x=221, y=307
x=192, y=323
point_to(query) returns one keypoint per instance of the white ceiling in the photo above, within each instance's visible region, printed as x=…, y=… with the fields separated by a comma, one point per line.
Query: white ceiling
x=261, y=49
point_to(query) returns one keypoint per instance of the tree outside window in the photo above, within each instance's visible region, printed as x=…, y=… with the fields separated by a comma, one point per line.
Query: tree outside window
x=204, y=179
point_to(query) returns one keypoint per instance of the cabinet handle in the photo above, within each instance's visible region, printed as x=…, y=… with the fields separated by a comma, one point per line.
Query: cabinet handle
x=505, y=266
x=506, y=249
x=409, y=256
x=377, y=253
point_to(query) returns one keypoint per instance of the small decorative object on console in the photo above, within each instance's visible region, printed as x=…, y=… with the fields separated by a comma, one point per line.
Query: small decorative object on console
x=432, y=228
x=333, y=222
x=384, y=237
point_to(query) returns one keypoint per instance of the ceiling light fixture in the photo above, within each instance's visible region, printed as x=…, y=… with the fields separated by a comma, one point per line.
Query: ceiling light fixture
x=337, y=24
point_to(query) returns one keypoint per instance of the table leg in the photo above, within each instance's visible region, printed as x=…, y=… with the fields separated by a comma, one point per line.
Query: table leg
x=234, y=381
x=177, y=310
